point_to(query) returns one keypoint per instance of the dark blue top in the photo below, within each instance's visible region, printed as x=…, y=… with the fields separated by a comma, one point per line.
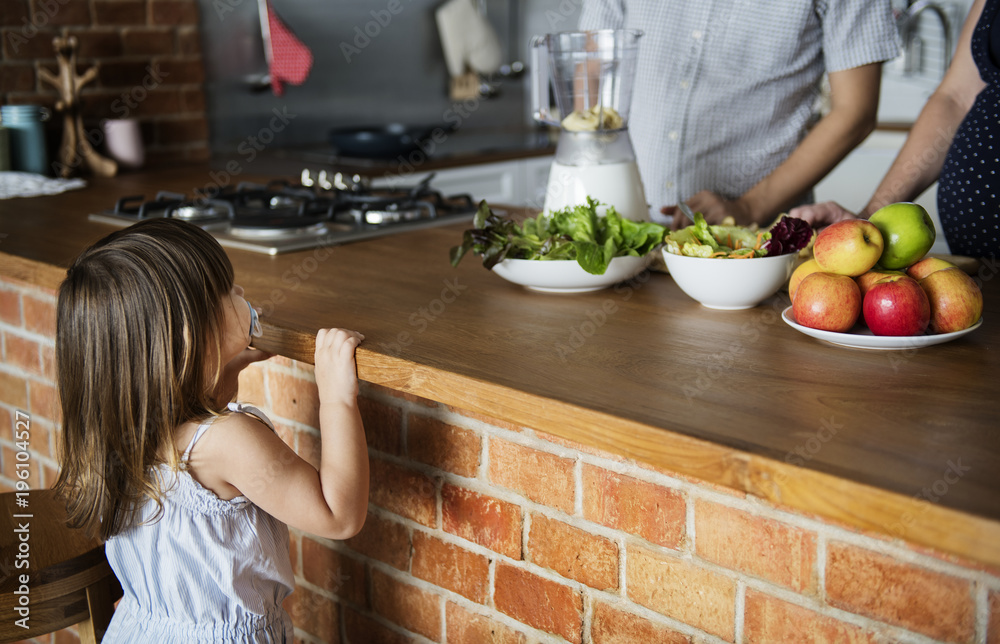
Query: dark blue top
x=969, y=186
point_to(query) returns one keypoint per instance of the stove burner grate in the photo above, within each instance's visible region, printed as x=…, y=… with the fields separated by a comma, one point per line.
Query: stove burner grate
x=281, y=216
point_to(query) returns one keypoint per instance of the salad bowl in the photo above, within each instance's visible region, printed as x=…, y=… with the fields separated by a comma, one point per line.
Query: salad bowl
x=566, y=275
x=729, y=284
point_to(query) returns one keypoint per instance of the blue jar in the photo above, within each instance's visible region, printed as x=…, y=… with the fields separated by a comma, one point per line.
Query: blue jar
x=26, y=129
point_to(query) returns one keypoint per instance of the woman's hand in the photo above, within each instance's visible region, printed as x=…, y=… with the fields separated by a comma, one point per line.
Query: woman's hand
x=336, y=371
x=822, y=214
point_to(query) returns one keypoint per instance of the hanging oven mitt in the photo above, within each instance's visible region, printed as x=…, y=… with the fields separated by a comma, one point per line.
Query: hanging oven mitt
x=288, y=58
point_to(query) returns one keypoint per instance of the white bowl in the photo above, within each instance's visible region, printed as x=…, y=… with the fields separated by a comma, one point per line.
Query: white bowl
x=730, y=284
x=565, y=275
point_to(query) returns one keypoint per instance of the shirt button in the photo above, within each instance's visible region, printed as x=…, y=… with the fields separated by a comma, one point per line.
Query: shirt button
x=697, y=34
x=685, y=84
x=668, y=185
x=674, y=135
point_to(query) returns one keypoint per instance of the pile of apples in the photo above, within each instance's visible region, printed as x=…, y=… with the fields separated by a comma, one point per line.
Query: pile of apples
x=876, y=270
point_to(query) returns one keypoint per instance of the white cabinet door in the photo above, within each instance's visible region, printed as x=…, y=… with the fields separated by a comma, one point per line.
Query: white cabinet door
x=520, y=182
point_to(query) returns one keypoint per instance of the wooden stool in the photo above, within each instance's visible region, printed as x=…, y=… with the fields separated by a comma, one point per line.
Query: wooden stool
x=68, y=580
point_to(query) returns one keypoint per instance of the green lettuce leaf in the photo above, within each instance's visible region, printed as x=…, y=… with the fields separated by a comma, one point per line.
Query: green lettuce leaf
x=577, y=232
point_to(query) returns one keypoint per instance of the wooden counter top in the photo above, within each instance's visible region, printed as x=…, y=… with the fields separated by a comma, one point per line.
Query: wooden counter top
x=903, y=443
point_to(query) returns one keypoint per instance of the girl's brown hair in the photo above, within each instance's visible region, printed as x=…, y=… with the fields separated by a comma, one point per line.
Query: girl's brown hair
x=138, y=318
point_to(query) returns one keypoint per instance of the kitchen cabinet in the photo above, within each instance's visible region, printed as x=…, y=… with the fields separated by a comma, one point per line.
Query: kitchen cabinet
x=519, y=182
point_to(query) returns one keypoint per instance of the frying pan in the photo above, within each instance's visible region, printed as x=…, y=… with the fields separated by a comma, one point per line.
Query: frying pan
x=378, y=141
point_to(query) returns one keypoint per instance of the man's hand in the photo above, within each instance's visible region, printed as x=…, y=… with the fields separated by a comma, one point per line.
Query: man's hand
x=713, y=207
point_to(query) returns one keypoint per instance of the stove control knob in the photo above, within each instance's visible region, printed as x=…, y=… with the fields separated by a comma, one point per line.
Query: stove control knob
x=324, y=181
x=306, y=178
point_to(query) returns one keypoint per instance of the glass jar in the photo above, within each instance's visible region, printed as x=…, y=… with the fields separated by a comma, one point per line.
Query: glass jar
x=26, y=129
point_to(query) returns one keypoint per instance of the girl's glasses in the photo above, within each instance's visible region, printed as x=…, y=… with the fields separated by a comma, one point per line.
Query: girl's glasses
x=255, y=329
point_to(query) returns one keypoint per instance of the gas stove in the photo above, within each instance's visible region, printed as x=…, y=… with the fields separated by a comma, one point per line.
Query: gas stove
x=281, y=217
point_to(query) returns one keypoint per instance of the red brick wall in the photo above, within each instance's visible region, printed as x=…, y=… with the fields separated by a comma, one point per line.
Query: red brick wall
x=479, y=531
x=150, y=66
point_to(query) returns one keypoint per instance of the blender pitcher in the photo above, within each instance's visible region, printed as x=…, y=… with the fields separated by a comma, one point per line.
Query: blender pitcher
x=592, y=74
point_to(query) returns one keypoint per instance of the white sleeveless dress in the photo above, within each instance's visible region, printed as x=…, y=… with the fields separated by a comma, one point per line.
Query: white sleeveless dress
x=207, y=571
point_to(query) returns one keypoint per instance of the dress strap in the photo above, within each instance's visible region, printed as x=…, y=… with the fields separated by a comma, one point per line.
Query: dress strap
x=236, y=407
x=198, y=433
x=253, y=411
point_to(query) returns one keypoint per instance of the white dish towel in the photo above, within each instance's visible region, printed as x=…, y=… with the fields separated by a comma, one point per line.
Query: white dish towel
x=28, y=184
x=467, y=38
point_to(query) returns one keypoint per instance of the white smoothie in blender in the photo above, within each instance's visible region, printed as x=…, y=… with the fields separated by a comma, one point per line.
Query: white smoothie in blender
x=614, y=184
x=592, y=74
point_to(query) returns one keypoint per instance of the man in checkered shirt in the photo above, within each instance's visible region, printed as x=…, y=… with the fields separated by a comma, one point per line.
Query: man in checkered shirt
x=724, y=114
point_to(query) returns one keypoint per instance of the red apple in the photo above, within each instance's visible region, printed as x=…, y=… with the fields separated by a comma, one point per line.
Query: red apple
x=849, y=247
x=867, y=280
x=956, y=301
x=896, y=305
x=827, y=301
x=805, y=268
x=926, y=266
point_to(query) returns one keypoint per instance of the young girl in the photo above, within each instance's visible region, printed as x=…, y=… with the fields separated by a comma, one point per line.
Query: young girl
x=192, y=493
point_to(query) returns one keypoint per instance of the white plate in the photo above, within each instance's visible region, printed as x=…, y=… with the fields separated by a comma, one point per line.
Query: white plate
x=566, y=276
x=865, y=339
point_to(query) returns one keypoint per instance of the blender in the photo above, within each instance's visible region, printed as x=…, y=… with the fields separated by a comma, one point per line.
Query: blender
x=592, y=74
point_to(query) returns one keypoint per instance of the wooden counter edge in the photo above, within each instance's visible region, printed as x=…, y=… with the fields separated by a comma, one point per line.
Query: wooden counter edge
x=30, y=271
x=848, y=503
x=856, y=505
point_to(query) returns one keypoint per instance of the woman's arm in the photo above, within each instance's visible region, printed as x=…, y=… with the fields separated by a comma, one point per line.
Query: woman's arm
x=919, y=161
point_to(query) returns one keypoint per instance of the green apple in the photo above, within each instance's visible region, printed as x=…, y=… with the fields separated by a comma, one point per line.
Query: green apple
x=907, y=232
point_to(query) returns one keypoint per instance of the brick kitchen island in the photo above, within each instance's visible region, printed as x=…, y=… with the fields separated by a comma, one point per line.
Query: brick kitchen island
x=618, y=466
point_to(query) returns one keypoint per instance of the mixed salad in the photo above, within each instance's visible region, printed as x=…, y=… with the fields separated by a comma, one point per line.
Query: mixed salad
x=787, y=235
x=574, y=233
